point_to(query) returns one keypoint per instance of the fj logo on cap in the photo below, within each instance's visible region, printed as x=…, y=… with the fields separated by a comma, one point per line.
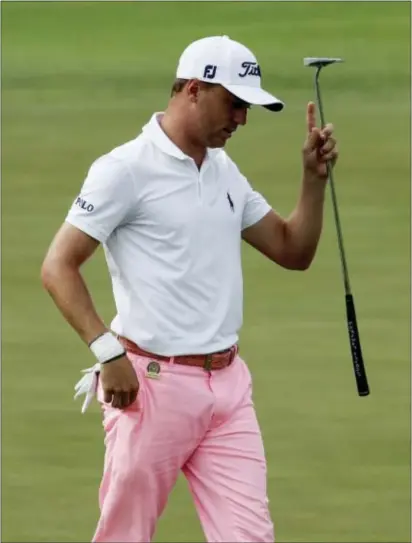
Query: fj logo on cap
x=250, y=68
x=210, y=71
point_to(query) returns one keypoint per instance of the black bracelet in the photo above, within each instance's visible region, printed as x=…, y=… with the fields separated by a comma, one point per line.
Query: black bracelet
x=97, y=337
x=114, y=358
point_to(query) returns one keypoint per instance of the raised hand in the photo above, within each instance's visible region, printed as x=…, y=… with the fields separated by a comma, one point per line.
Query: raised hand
x=319, y=147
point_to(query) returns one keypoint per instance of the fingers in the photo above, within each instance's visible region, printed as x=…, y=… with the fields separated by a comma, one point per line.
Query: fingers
x=327, y=146
x=327, y=131
x=320, y=146
x=133, y=396
x=332, y=156
x=316, y=135
x=328, y=151
x=311, y=117
x=120, y=399
x=108, y=395
x=311, y=121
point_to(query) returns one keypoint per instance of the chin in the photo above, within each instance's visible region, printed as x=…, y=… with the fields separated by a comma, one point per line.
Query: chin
x=218, y=143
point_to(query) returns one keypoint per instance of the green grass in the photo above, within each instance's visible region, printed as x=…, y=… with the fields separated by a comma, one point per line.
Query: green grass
x=80, y=78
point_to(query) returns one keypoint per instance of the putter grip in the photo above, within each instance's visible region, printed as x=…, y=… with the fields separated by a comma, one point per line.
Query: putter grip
x=355, y=345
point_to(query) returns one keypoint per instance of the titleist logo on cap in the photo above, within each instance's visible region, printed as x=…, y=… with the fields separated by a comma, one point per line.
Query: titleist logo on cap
x=250, y=68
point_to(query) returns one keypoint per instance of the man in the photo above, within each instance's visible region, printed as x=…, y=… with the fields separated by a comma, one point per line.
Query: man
x=170, y=209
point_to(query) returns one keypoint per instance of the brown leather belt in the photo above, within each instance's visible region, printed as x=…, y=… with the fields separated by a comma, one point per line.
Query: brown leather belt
x=212, y=361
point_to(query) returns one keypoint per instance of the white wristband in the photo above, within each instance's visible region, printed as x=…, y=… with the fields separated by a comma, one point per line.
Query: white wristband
x=107, y=348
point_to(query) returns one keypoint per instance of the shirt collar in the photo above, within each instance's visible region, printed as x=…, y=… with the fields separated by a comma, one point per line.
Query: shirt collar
x=154, y=131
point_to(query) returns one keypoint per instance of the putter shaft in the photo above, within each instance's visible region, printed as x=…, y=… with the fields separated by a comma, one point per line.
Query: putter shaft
x=332, y=186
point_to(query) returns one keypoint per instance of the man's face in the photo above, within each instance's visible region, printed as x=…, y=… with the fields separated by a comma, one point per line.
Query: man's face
x=217, y=115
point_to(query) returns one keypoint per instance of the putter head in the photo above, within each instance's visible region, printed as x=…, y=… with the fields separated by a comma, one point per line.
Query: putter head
x=320, y=62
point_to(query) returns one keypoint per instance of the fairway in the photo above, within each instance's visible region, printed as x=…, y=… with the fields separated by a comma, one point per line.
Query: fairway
x=79, y=78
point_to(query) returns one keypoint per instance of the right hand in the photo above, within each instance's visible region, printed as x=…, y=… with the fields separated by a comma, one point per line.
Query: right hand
x=319, y=148
x=119, y=382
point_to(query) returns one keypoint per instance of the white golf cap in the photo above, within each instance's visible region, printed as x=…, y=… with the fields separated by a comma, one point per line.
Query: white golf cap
x=220, y=60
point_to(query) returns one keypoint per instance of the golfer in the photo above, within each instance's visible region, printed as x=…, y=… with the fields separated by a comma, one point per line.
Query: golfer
x=170, y=209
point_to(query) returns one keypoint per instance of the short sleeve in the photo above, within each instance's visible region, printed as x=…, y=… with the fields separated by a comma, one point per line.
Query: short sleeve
x=106, y=200
x=255, y=208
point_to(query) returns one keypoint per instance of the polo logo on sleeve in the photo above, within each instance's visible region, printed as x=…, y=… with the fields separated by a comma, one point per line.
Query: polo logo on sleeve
x=84, y=205
x=250, y=68
x=210, y=71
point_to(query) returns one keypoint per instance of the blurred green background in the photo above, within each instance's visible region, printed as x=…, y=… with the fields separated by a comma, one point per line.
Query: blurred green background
x=80, y=78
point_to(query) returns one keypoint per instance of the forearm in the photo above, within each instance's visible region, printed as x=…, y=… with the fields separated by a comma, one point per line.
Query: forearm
x=304, y=226
x=66, y=286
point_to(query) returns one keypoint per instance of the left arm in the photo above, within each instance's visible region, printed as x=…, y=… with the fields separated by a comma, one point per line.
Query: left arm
x=292, y=242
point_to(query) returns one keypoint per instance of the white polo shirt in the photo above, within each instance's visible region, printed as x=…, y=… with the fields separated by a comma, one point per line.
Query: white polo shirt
x=172, y=241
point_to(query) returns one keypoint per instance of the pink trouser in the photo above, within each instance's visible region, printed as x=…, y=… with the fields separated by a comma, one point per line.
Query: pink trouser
x=189, y=420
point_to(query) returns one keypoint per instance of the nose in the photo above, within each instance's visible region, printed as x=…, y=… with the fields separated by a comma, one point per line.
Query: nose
x=240, y=116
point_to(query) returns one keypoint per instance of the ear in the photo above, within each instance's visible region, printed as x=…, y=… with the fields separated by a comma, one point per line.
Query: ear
x=193, y=89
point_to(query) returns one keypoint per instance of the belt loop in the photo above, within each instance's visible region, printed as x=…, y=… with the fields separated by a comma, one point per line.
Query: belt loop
x=234, y=352
x=207, y=366
x=172, y=360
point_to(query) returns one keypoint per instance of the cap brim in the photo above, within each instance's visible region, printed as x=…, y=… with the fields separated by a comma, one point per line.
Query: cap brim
x=256, y=96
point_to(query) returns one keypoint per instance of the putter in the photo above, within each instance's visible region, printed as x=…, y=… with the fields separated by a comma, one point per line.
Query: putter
x=354, y=339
